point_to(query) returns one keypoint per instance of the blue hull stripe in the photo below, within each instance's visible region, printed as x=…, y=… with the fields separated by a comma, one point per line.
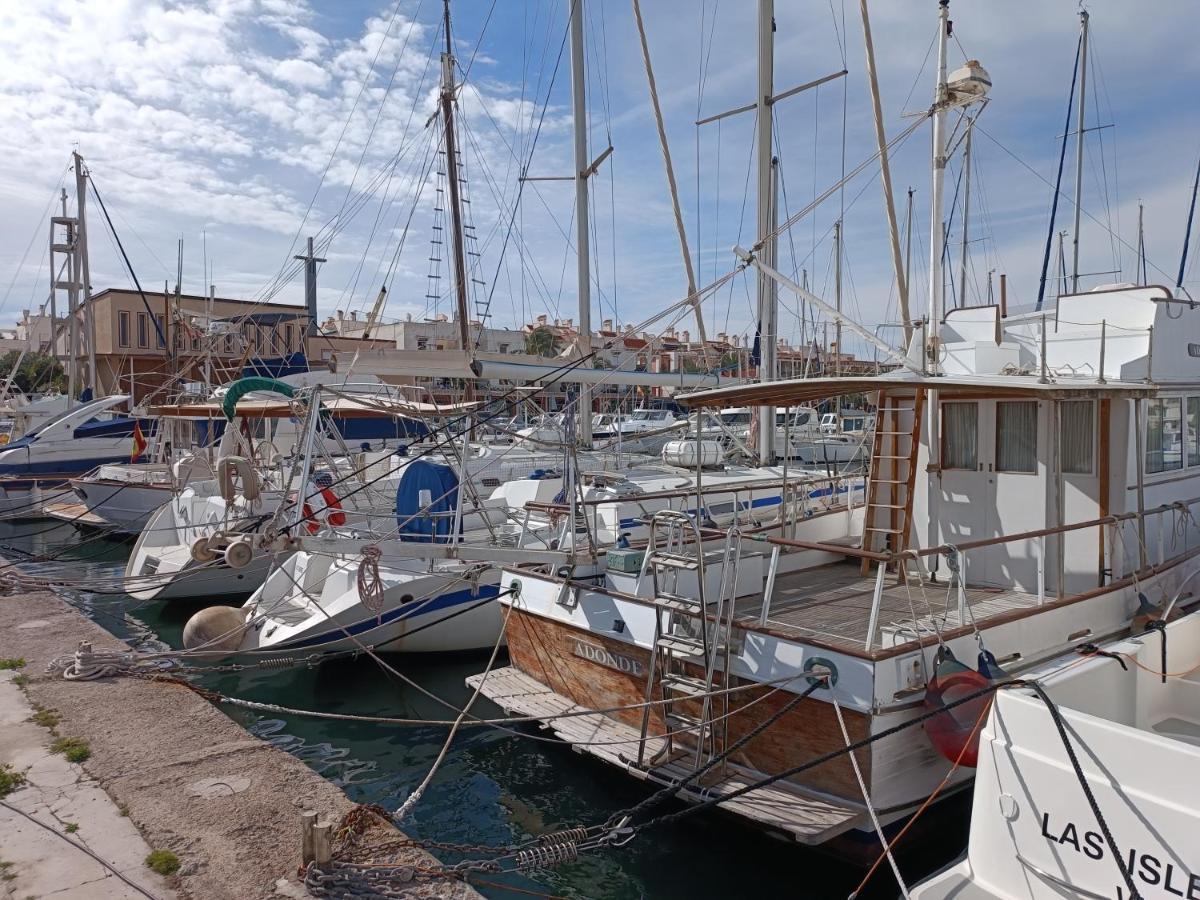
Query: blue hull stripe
x=64, y=468
x=416, y=608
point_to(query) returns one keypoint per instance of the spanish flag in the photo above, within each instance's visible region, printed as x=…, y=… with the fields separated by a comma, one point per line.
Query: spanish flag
x=139, y=442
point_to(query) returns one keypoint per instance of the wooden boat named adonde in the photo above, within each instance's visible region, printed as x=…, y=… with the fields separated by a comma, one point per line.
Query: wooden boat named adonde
x=1030, y=477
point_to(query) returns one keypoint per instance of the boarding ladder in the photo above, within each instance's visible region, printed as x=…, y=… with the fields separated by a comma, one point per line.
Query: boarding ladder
x=887, y=517
x=690, y=656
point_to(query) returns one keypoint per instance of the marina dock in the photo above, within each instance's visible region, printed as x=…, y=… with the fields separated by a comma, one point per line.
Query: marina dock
x=186, y=777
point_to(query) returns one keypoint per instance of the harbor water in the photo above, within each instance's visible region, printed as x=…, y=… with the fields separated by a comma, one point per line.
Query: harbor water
x=494, y=789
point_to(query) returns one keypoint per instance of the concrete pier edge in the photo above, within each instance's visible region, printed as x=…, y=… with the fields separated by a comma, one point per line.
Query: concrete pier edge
x=191, y=779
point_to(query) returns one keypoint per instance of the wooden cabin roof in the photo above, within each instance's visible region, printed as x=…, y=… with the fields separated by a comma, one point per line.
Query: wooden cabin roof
x=793, y=392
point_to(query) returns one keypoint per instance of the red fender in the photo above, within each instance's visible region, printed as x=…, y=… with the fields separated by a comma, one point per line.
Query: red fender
x=953, y=732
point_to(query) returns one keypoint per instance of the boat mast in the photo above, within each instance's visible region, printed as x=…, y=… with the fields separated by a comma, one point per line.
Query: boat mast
x=460, y=256
x=936, y=196
x=1187, y=233
x=885, y=173
x=962, y=267
x=837, y=300
x=83, y=270
x=583, y=250
x=768, y=293
x=1079, y=131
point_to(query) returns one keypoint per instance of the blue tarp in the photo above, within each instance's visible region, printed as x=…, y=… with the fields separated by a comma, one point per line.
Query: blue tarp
x=374, y=428
x=442, y=485
x=275, y=366
x=119, y=426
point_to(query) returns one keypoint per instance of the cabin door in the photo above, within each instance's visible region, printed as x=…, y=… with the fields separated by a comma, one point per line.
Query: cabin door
x=993, y=484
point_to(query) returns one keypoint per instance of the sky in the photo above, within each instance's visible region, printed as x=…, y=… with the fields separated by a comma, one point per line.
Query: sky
x=243, y=126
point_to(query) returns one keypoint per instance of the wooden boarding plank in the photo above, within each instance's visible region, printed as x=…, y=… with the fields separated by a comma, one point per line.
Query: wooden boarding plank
x=806, y=819
x=75, y=513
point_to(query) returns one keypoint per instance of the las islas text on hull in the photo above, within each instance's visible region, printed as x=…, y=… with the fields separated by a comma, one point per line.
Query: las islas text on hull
x=1086, y=785
x=1031, y=477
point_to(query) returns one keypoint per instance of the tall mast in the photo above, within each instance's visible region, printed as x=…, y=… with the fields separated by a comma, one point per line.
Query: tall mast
x=885, y=173
x=837, y=296
x=583, y=250
x=83, y=270
x=768, y=293
x=936, y=200
x=1141, y=248
x=1187, y=233
x=962, y=268
x=1079, y=132
x=460, y=256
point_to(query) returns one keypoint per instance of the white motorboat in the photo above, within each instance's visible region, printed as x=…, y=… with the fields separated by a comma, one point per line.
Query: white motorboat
x=1123, y=814
x=36, y=468
x=842, y=439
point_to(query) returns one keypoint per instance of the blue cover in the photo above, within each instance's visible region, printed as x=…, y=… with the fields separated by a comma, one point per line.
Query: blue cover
x=442, y=484
x=373, y=428
x=118, y=426
x=275, y=366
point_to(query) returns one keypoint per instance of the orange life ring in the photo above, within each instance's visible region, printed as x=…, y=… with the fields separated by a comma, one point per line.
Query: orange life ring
x=331, y=508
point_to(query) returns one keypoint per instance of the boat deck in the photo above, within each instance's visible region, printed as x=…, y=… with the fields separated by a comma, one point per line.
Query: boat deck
x=832, y=604
x=777, y=807
x=76, y=514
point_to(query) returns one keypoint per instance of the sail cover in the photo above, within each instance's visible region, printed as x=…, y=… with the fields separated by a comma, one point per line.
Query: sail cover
x=425, y=500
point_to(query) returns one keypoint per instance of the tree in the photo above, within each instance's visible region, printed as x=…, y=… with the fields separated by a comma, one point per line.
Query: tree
x=37, y=372
x=541, y=342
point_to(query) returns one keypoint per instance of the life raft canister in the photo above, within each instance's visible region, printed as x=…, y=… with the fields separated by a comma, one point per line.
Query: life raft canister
x=321, y=504
x=953, y=732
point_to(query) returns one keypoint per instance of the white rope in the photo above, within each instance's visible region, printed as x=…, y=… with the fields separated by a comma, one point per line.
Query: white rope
x=887, y=849
x=415, y=797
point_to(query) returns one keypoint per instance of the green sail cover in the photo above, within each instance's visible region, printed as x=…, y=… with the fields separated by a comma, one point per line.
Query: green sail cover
x=244, y=386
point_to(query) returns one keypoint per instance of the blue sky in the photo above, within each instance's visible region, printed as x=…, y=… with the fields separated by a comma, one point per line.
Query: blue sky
x=213, y=121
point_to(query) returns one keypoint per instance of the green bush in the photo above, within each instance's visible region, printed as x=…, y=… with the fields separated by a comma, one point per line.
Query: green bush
x=76, y=750
x=164, y=862
x=10, y=662
x=10, y=779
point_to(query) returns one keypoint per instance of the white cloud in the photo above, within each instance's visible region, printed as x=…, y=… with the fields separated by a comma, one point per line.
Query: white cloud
x=301, y=73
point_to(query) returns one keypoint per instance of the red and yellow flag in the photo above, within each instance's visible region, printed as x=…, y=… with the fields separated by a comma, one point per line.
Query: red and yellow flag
x=139, y=442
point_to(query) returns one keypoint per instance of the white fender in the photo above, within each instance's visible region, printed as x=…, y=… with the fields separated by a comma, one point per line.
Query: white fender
x=231, y=468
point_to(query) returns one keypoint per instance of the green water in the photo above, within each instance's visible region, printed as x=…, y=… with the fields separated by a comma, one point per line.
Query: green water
x=494, y=788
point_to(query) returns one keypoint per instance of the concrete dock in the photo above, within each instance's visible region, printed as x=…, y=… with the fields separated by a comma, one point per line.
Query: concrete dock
x=166, y=771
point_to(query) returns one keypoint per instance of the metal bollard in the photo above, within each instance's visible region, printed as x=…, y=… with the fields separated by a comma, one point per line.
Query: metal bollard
x=308, y=822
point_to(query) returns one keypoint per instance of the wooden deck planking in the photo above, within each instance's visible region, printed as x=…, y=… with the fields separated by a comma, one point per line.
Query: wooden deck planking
x=806, y=819
x=833, y=603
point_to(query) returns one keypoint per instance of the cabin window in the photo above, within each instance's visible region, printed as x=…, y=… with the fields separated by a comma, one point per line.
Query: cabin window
x=1164, y=435
x=1078, y=444
x=123, y=329
x=143, y=330
x=161, y=331
x=287, y=339
x=960, y=436
x=1193, y=431
x=1016, y=436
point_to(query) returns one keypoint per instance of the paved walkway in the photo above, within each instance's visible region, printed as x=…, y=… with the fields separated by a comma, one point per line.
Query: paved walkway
x=37, y=861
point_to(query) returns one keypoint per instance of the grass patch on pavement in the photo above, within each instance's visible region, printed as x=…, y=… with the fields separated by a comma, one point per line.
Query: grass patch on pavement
x=10, y=779
x=76, y=750
x=164, y=862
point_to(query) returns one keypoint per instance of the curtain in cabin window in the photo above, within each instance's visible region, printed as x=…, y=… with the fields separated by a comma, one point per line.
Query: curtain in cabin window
x=960, y=436
x=1164, y=437
x=1193, y=431
x=1077, y=437
x=1016, y=436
